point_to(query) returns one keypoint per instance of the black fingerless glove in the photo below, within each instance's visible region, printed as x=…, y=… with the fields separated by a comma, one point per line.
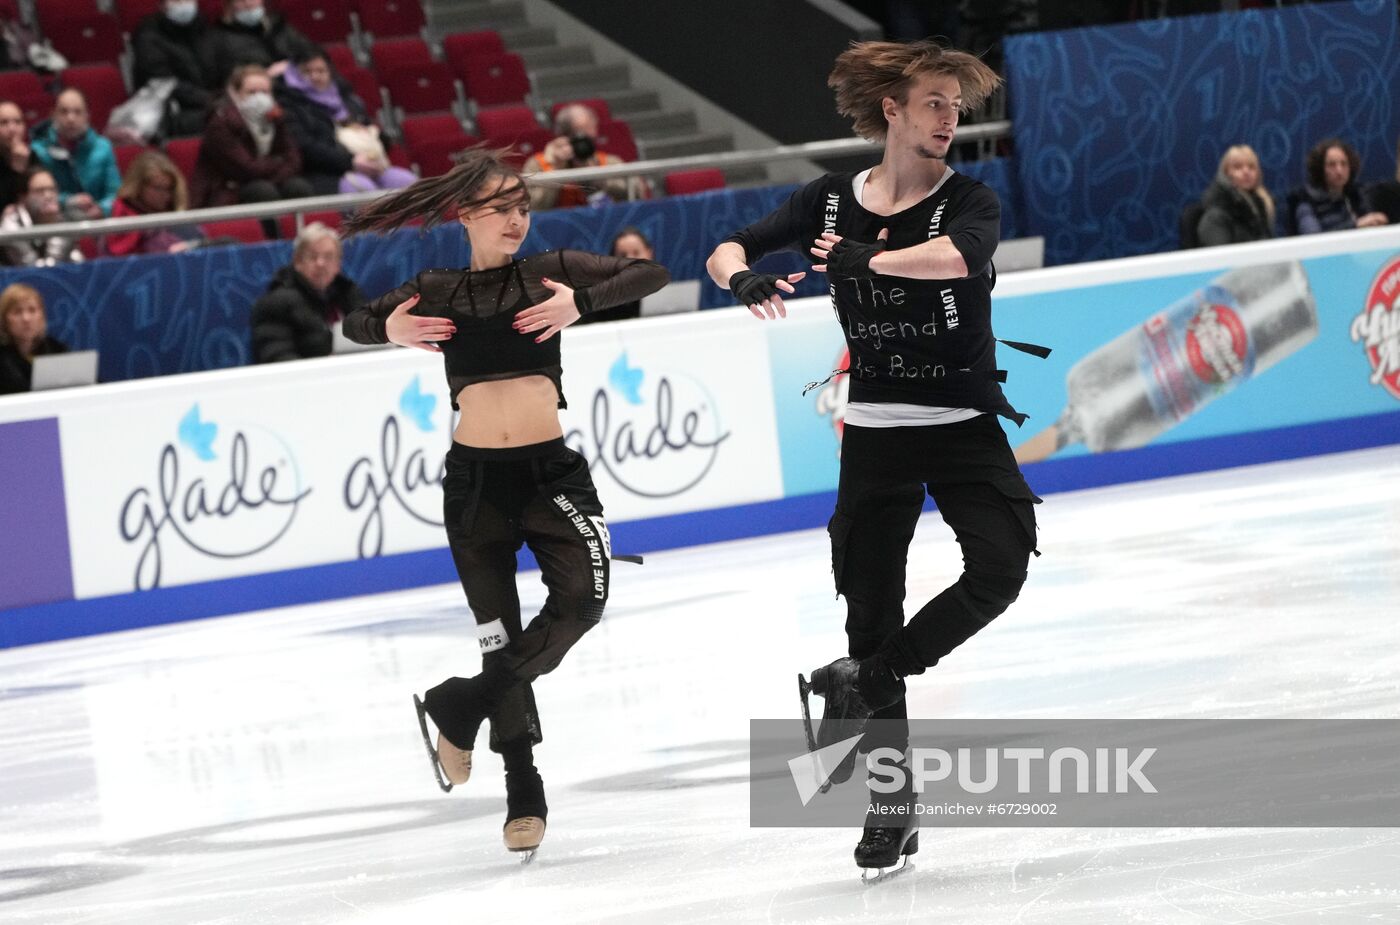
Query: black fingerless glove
x=752, y=288
x=852, y=258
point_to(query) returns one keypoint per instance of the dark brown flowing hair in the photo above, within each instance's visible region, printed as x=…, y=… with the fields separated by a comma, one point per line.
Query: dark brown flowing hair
x=867, y=72
x=477, y=178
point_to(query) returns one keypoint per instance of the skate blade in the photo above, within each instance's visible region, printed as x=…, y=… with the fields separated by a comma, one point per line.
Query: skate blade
x=870, y=876
x=804, y=690
x=438, y=770
x=527, y=855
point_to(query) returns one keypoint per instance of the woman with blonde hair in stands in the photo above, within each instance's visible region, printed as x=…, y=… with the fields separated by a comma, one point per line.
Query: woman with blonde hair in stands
x=24, y=335
x=152, y=185
x=1237, y=204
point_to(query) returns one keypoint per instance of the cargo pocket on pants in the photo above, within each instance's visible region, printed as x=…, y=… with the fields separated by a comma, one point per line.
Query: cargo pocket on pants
x=1022, y=501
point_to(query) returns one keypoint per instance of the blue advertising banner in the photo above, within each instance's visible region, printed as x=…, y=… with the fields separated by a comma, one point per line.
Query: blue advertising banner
x=1120, y=127
x=1251, y=352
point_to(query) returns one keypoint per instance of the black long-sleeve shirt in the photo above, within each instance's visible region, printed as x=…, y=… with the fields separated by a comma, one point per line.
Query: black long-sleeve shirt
x=922, y=342
x=483, y=304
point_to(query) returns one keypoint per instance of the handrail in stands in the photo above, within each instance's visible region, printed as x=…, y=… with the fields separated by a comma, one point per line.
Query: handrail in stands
x=342, y=202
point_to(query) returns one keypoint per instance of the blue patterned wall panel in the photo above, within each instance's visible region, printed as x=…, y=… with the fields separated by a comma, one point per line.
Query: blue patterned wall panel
x=1118, y=127
x=158, y=315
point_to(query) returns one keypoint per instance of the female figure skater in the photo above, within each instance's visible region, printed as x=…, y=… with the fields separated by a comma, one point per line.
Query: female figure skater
x=509, y=477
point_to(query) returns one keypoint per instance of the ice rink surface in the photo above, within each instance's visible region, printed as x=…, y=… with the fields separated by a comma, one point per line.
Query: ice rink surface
x=267, y=767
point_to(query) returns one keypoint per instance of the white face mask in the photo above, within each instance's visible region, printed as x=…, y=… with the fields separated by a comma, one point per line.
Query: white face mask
x=183, y=13
x=249, y=17
x=256, y=105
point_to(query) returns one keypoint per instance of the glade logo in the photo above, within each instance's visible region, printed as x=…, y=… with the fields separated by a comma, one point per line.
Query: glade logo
x=223, y=512
x=1377, y=327
x=660, y=440
x=410, y=480
x=835, y=395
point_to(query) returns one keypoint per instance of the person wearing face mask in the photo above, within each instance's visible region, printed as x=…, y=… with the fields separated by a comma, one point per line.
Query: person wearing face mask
x=576, y=128
x=247, y=154
x=1332, y=200
x=24, y=335
x=81, y=160
x=16, y=157
x=1237, y=205
x=169, y=43
x=38, y=206
x=294, y=318
x=341, y=151
x=249, y=33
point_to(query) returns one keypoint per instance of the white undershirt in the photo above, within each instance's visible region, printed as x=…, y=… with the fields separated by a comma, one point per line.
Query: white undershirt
x=895, y=414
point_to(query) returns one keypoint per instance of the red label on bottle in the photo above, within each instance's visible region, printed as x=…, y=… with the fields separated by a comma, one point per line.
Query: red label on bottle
x=1217, y=345
x=1377, y=328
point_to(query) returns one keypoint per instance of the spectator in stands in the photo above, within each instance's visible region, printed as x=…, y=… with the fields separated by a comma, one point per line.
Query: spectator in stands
x=21, y=45
x=629, y=244
x=15, y=156
x=576, y=128
x=24, y=335
x=340, y=147
x=293, y=319
x=1332, y=200
x=38, y=206
x=170, y=43
x=1237, y=205
x=247, y=154
x=251, y=34
x=152, y=185
x=81, y=160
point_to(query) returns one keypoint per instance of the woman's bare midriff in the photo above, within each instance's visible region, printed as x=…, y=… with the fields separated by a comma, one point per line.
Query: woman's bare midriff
x=508, y=412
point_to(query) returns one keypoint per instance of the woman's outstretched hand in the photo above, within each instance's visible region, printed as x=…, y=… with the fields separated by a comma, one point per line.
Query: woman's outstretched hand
x=414, y=331
x=552, y=315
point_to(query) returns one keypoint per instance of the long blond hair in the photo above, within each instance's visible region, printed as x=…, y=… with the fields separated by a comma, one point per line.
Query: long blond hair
x=149, y=164
x=1260, y=188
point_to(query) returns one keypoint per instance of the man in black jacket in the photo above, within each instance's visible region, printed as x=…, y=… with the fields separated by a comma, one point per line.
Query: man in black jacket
x=304, y=301
x=249, y=34
x=168, y=43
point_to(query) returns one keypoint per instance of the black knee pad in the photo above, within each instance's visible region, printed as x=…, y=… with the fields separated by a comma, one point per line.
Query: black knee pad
x=988, y=593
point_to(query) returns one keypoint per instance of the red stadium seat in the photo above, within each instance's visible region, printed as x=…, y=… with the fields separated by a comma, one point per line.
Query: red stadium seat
x=245, y=230
x=213, y=10
x=694, y=181
x=497, y=81
x=616, y=138
x=506, y=120
x=399, y=156
x=93, y=38
x=131, y=12
x=319, y=20
x=103, y=87
x=385, y=18
x=469, y=46
x=416, y=83
x=25, y=90
x=366, y=87
x=341, y=57
x=184, y=152
x=432, y=140
x=128, y=153
x=53, y=13
x=597, y=104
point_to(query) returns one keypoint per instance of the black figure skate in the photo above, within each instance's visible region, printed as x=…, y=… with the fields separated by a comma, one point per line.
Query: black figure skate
x=881, y=847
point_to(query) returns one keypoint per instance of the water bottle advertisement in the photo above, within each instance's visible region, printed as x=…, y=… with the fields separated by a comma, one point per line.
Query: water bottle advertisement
x=1144, y=362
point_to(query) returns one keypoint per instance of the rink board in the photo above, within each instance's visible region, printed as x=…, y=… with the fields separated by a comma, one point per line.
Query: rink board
x=160, y=500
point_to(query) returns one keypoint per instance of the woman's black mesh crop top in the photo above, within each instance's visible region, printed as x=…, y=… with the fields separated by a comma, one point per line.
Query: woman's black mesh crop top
x=484, y=303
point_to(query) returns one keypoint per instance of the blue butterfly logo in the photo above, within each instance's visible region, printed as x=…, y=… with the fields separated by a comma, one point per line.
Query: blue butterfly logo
x=198, y=436
x=418, y=407
x=626, y=379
